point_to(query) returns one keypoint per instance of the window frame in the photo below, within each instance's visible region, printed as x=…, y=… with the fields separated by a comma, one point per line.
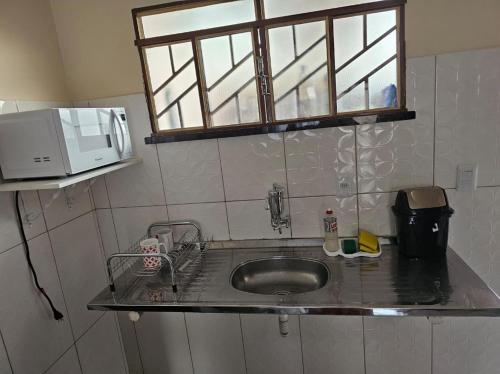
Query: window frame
x=258, y=29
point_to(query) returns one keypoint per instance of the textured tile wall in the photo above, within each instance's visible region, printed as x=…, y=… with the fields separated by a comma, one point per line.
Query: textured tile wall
x=62, y=231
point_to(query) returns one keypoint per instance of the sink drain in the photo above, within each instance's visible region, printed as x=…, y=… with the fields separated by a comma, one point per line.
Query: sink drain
x=281, y=293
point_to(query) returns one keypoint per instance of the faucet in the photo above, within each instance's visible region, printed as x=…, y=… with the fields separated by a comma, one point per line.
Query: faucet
x=275, y=206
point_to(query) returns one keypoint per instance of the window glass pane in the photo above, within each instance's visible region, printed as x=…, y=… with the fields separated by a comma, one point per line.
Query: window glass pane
x=308, y=34
x=181, y=53
x=366, y=63
x=229, y=68
x=242, y=46
x=383, y=90
x=353, y=101
x=199, y=18
x=379, y=23
x=178, y=85
x=287, y=107
x=158, y=65
x=370, y=80
x=169, y=120
x=350, y=31
x=174, y=86
x=298, y=57
x=278, y=8
x=190, y=109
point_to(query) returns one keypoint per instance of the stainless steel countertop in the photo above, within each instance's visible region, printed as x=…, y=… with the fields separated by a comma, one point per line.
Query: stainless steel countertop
x=390, y=285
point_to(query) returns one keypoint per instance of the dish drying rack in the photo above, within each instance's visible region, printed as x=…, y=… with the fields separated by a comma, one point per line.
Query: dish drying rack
x=182, y=260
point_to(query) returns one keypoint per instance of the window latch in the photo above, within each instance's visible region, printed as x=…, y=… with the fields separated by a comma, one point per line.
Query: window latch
x=264, y=79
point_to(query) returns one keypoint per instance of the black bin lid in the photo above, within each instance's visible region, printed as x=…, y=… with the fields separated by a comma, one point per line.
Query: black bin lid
x=422, y=200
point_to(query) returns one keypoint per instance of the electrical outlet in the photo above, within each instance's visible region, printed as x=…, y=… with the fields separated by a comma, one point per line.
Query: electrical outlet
x=344, y=188
x=467, y=177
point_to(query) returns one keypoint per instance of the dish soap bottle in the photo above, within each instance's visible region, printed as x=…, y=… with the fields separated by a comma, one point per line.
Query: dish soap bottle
x=331, y=234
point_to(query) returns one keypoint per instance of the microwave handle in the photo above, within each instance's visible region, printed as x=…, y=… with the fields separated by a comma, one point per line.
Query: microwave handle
x=113, y=125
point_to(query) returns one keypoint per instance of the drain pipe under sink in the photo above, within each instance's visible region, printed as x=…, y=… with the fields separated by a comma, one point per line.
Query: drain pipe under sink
x=283, y=325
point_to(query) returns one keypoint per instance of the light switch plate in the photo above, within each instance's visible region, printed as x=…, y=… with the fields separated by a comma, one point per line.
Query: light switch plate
x=344, y=188
x=467, y=177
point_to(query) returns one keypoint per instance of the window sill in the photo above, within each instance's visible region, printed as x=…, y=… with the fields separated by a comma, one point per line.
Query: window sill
x=400, y=115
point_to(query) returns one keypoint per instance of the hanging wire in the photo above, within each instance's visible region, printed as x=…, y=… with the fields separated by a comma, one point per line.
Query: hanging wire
x=57, y=314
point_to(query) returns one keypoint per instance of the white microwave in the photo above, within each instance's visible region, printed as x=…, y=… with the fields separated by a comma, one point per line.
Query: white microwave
x=62, y=141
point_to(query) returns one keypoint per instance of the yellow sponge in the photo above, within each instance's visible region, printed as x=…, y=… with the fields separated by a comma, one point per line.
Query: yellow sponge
x=362, y=248
x=367, y=242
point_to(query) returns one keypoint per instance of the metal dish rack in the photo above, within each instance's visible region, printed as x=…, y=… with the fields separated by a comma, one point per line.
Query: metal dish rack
x=183, y=261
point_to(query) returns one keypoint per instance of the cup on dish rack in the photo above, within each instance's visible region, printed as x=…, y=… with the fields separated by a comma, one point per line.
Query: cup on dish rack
x=151, y=245
x=166, y=237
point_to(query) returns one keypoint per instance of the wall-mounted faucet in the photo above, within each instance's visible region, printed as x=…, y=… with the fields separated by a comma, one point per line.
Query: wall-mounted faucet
x=276, y=206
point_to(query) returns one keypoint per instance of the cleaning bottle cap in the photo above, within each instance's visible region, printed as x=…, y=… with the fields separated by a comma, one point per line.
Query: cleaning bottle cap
x=329, y=211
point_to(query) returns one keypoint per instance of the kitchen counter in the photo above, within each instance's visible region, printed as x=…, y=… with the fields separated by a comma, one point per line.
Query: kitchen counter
x=390, y=285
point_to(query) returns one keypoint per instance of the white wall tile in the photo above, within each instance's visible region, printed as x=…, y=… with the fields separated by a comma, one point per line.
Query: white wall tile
x=250, y=220
x=397, y=345
x=81, y=268
x=107, y=231
x=8, y=106
x=251, y=164
x=62, y=205
x=164, y=344
x=25, y=106
x=475, y=231
x=421, y=87
x=375, y=214
x=31, y=214
x=396, y=155
x=4, y=360
x=9, y=232
x=34, y=340
x=100, y=348
x=307, y=215
x=99, y=193
x=332, y=344
x=211, y=216
x=216, y=343
x=67, y=364
x=191, y=171
x=266, y=351
x=466, y=346
x=317, y=160
x=130, y=344
x=132, y=223
x=467, y=112
x=138, y=185
x=81, y=104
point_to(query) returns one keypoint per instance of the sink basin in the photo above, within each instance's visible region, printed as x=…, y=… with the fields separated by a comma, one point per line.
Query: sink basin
x=279, y=276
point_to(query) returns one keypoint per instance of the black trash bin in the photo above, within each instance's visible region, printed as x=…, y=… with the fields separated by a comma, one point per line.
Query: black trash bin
x=422, y=221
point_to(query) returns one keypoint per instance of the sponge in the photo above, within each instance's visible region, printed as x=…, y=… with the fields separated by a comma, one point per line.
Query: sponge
x=367, y=242
x=349, y=246
x=362, y=248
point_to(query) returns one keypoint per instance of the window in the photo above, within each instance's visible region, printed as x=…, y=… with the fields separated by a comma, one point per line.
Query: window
x=218, y=64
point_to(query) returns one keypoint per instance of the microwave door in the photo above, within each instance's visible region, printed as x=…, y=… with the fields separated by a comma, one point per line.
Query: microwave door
x=89, y=138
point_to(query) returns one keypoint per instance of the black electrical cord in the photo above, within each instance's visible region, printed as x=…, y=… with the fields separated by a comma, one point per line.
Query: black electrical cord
x=57, y=314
